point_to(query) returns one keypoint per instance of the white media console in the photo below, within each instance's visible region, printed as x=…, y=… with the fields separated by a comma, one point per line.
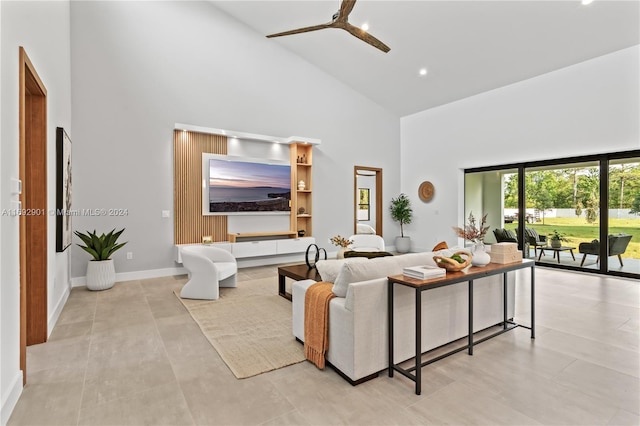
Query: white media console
x=261, y=252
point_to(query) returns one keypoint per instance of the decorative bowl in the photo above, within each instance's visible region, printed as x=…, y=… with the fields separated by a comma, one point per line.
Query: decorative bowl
x=451, y=264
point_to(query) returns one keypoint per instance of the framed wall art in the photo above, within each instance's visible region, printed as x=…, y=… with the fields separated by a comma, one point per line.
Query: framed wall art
x=63, y=190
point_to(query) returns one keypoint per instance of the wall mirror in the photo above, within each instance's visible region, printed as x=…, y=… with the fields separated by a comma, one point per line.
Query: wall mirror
x=367, y=189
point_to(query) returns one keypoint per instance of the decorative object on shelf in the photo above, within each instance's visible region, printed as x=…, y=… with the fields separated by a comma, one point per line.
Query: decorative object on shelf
x=313, y=254
x=426, y=191
x=301, y=210
x=475, y=234
x=101, y=274
x=207, y=239
x=301, y=232
x=457, y=262
x=556, y=239
x=304, y=159
x=301, y=185
x=402, y=212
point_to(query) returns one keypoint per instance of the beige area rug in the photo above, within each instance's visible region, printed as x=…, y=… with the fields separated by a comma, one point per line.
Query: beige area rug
x=249, y=326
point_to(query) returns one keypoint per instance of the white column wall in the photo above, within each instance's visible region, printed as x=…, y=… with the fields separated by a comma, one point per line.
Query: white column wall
x=587, y=108
x=140, y=67
x=42, y=28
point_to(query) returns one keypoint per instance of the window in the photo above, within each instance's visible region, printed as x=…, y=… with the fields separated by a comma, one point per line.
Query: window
x=591, y=203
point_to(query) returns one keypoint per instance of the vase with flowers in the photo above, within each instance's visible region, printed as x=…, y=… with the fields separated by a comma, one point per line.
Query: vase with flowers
x=341, y=242
x=475, y=233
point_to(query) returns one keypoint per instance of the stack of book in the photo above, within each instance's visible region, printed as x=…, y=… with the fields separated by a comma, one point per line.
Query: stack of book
x=424, y=272
x=505, y=253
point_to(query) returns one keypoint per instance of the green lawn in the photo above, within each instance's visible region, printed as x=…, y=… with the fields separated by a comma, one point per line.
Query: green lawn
x=577, y=230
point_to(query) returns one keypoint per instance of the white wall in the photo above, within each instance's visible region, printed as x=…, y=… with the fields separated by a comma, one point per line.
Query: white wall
x=591, y=107
x=42, y=28
x=140, y=67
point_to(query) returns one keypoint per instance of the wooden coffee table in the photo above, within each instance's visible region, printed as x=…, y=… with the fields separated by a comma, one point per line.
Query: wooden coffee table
x=295, y=272
x=556, y=251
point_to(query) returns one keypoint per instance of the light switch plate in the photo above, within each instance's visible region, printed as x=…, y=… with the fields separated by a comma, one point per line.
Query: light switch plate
x=166, y=213
x=16, y=186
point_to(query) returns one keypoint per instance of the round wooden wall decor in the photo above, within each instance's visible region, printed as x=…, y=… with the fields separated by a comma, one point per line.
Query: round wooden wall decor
x=425, y=192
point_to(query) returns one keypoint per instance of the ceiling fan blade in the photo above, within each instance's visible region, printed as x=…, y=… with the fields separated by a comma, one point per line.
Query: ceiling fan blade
x=366, y=37
x=345, y=9
x=301, y=30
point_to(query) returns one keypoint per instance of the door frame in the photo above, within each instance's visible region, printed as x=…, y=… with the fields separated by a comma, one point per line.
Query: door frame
x=378, y=195
x=33, y=215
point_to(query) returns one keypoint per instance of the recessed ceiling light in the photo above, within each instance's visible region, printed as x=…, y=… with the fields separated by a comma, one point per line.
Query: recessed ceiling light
x=423, y=71
x=365, y=27
x=586, y=2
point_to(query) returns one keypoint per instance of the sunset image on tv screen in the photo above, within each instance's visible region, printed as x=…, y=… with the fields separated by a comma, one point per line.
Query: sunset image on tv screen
x=240, y=186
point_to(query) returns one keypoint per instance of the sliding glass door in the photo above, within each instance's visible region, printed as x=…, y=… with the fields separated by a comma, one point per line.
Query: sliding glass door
x=563, y=211
x=579, y=213
x=623, y=237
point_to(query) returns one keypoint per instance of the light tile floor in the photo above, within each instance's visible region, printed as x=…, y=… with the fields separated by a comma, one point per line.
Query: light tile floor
x=133, y=355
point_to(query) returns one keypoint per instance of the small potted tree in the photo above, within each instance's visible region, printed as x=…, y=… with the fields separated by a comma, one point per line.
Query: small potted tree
x=401, y=212
x=101, y=273
x=556, y=239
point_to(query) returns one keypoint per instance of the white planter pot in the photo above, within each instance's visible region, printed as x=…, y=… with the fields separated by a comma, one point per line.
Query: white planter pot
x=403, y=244
x=101, y=275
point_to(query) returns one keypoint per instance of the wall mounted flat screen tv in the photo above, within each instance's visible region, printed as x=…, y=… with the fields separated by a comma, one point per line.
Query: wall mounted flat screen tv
x=239, y=185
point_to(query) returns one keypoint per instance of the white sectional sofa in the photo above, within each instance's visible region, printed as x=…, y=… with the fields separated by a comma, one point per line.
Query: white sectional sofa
x=358, y=328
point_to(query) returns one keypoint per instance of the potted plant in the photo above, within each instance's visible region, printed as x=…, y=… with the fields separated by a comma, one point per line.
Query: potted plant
x=341, y=242
x=556, y=239
x=401, y=212
x=101, y=274
x=475, y=233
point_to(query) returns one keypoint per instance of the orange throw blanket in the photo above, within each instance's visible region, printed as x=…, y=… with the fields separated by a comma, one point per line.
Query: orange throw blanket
x=316, y=322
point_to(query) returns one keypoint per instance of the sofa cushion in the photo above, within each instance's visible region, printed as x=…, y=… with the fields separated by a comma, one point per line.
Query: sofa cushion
x=416, y=259
x=361, y=271
x=440, y=246
x=330, y=268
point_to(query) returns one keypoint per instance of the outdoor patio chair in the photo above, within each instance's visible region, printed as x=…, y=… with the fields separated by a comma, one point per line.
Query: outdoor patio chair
x=534, y=239
x=505, y=235
x=617, y=245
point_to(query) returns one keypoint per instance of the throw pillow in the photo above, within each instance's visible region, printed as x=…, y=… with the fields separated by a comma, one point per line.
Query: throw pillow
x=355, y=272
x=440, y=246
x=509, y=234
x=330, y=268
x=367, y=254
x=417, y=259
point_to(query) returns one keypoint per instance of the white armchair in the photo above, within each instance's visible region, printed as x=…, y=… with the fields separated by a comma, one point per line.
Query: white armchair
x=209, y=268
x=366, y=242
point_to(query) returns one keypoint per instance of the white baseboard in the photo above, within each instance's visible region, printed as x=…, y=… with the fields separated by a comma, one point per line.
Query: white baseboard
x=9, y=403
x=53, y=319
x=135, y=275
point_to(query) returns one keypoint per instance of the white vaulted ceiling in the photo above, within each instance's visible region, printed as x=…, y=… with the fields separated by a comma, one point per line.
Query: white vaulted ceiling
x=468, y=47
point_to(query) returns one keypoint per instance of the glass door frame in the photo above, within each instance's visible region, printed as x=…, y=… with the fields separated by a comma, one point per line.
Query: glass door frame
x=603, y=163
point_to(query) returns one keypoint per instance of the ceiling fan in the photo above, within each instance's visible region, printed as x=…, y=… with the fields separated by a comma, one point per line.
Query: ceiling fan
x=340, y=20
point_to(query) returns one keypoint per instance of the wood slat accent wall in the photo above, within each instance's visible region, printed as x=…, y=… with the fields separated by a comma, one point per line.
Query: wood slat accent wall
x=189, y=223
